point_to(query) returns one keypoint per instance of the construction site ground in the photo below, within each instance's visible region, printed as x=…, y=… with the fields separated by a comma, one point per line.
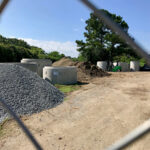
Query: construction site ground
x=91, y=118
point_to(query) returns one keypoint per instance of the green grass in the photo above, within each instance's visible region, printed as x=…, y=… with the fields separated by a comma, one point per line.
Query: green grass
x=1, y=127
x=67, y=88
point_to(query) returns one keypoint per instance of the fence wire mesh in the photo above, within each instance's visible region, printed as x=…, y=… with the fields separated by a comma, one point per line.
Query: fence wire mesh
x=3, y=5
x=21, y=124
x=132, y=136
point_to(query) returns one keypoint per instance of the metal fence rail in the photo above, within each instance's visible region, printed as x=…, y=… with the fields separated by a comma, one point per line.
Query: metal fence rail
x=131, y=137
x=135, y=134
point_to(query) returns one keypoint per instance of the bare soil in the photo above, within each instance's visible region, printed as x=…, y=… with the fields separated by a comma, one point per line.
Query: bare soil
x=63, y=62
x=85, y=70
x=92, y=118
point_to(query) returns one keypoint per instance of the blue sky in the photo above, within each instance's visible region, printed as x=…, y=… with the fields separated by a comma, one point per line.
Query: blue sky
x=56, y=24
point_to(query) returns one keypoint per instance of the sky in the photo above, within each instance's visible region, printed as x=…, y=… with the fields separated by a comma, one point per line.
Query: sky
x=57, y=24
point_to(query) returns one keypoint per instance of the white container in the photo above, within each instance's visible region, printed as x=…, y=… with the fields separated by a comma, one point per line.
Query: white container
x=60, y=75
x=124, y=66
x=102, y=65
x=41, y=63
x=134, y=65
x=115, y=64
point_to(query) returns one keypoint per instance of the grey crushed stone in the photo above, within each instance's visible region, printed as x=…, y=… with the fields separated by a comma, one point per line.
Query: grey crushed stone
x=25, y=92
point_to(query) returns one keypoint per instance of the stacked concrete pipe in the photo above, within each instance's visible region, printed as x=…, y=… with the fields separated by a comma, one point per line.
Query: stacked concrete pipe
x=102, y=65
x=134, y=65
x=30, y=66
x=41, y=63
x=124, y=66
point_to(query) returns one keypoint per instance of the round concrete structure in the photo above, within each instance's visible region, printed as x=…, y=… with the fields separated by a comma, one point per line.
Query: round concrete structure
x=124, y=66
x=60, y=75
x=102, y=65
x=134, y=65
x=41, y=63
x=115, y=64
x=30, y=66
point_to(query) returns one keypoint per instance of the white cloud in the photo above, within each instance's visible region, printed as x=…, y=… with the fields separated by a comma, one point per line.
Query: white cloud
x=76, y=29
x=82, y=20
x=68, y=48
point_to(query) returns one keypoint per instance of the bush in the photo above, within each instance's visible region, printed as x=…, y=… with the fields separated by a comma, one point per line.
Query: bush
x=9, y=53
x=55, y=56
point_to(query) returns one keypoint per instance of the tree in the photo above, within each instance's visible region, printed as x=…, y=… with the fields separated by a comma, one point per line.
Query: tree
x=14, y=41
x=11, y=53
x=101, y=44
x=40, y=53
x=13, y=50
x=55, y=56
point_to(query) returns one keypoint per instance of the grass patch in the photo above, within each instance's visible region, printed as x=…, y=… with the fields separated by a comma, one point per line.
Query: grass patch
x=1, y=127
x=1, y=130
x=67, y=88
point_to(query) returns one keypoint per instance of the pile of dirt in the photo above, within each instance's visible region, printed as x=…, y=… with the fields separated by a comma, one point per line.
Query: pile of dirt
x=85, y=70
x=63, y=62
x=91, y=69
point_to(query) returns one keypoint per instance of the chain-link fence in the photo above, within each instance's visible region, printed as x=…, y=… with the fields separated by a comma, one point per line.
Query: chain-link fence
x=136, y=133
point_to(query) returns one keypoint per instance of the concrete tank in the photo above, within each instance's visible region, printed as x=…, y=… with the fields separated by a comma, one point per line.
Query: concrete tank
x=124, y=66
x=60, y=75
x=30, y=66
x=41, y=63
x=134, y=65
x=115, y=64
x=102, y=65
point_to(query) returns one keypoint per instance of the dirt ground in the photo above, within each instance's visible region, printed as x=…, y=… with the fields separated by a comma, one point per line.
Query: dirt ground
x=91, y=118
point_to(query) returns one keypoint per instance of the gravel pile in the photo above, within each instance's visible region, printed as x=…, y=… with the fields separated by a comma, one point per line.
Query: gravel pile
x=25, y=92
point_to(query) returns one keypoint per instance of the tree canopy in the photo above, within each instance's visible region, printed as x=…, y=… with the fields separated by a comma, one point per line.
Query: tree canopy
x=10, y=53
x=13, y=50
x=14, y=42
x=55, y=56
x=101, y=44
